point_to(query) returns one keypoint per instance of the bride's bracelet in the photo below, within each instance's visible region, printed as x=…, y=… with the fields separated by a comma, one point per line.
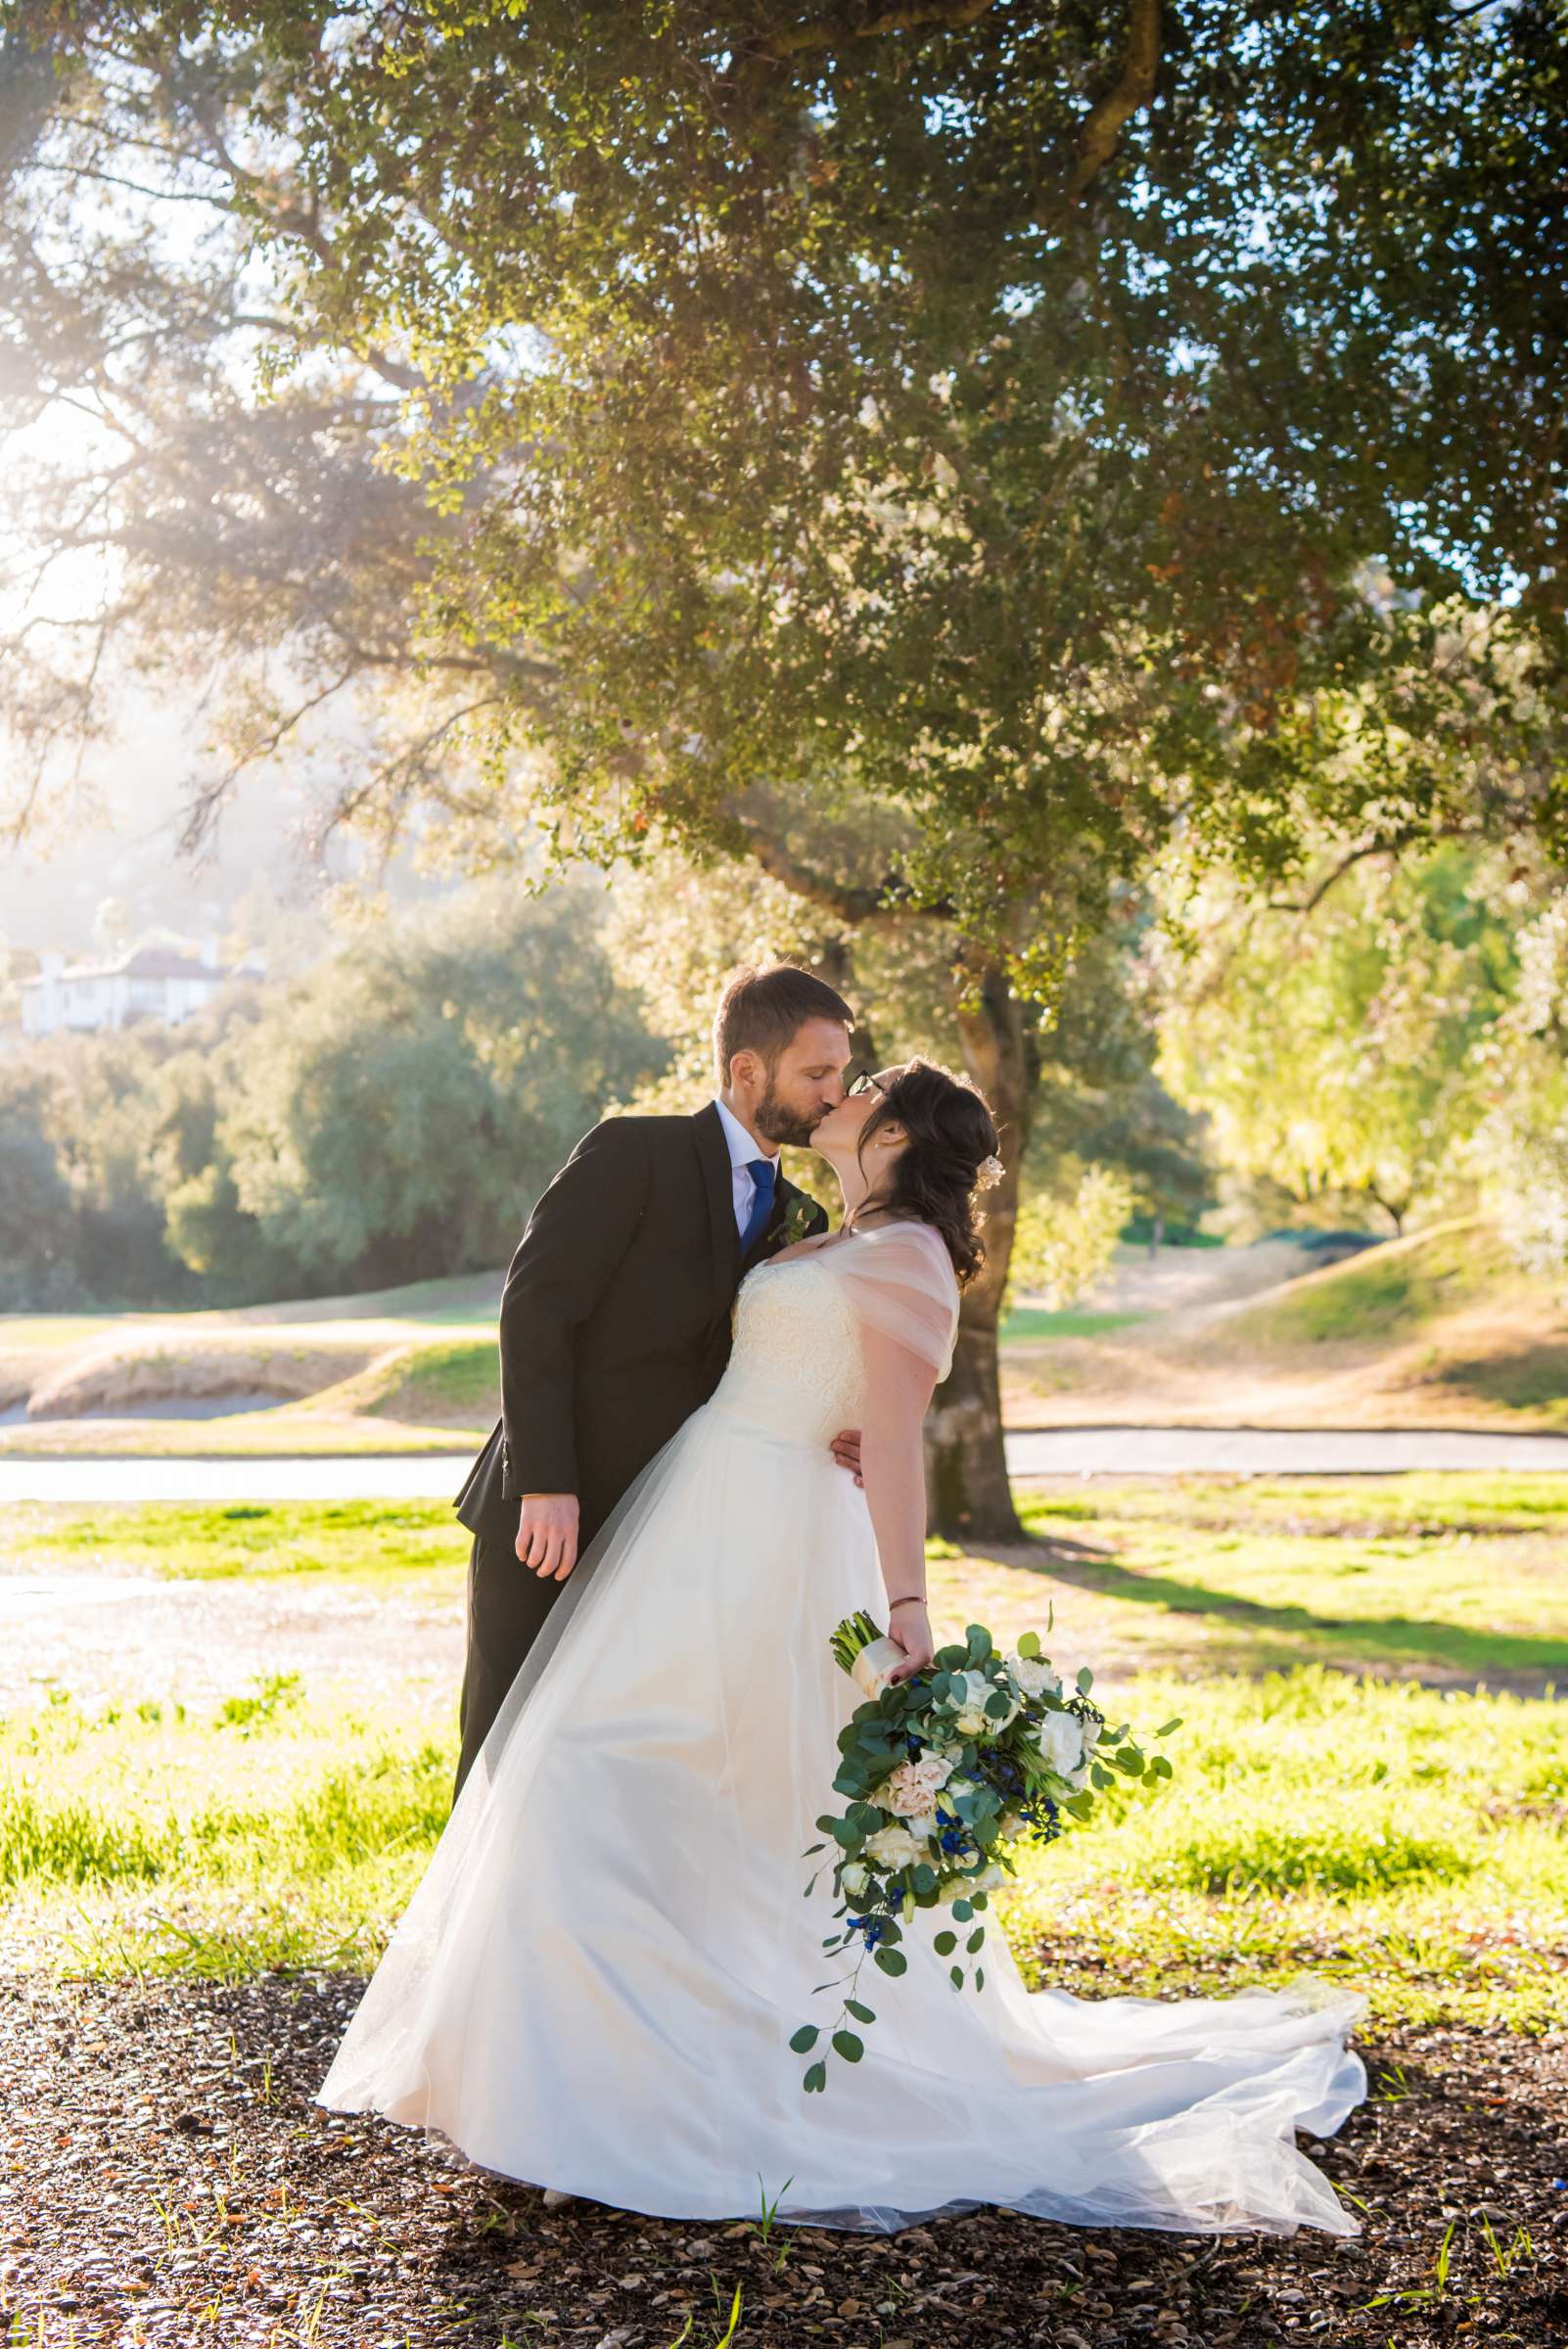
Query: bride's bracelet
x=915, y=1598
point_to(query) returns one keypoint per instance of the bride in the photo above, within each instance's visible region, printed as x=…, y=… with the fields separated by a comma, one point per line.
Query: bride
x=594, y=1986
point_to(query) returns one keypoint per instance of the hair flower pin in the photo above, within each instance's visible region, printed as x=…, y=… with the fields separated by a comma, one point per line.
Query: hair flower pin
x=988, y=1174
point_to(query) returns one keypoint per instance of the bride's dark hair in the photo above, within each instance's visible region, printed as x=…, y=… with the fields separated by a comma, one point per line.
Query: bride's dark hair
x=952, y=1137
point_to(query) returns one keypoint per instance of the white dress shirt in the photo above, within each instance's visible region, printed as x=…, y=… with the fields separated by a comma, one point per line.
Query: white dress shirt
x=743, y=1146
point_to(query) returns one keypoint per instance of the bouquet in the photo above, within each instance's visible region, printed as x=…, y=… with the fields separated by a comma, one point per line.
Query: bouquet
x=946, y=1774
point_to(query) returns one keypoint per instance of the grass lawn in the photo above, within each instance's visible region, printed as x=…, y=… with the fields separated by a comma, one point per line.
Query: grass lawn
x=1372, y=1777
x=1033, y=1321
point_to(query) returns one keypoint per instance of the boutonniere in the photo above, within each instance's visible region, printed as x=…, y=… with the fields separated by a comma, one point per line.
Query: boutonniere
x=796, y=1219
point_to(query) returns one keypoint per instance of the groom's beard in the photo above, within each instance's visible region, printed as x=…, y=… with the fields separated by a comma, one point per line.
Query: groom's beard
x=776, y=1121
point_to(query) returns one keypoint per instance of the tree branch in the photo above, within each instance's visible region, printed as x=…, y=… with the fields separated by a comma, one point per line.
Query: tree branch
x=860, y=908
x=1102, y=127
x=1410, y=837
x=825, y=33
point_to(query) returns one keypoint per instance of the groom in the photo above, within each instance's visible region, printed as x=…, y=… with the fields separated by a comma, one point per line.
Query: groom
x=616, y=1313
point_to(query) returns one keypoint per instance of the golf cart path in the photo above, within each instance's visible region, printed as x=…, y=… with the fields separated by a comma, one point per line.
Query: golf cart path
x=1031, y=1452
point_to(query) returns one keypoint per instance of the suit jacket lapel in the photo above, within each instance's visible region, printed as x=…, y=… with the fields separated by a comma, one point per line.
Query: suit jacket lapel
x=712, y=1152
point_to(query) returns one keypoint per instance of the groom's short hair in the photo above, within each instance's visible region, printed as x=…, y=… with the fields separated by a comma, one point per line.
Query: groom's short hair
x=763, y=1011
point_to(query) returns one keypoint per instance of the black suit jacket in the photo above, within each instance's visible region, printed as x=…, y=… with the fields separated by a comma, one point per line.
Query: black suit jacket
x=615, y=1315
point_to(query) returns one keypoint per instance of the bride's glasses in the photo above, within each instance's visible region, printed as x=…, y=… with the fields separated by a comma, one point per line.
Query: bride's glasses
x=863, y=1082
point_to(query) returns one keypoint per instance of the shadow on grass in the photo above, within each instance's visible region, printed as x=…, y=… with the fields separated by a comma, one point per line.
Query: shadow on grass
x=1280, y=1634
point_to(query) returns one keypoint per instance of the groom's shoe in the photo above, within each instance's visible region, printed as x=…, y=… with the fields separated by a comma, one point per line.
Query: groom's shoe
x=554, y=2197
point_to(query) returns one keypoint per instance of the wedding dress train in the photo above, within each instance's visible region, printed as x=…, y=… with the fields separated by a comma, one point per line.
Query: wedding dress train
x=594, y=1985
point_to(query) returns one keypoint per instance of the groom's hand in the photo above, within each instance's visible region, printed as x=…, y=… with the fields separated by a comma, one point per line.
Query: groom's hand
x=846, y=1451
x=547, y=1535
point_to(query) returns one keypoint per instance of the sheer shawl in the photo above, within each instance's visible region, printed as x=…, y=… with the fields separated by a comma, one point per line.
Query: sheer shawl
x=901, y=1284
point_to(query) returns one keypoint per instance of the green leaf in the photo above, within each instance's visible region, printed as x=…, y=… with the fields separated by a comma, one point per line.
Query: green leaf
x=892, y=1962
x=1169, y=1726
x=944, y=1944
x=925, y=1877
x=975, y=1940
x=1029, y=1643
x=849, y=2046
x=861, y=2014
x=963, y=1910
x=1085, y=1681
x=816, y=2078
x=805, y=2038
x=955, y=1975
x=980, y=1977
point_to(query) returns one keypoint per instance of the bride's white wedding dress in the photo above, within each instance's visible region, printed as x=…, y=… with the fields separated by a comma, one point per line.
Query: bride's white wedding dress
x=595, y=1983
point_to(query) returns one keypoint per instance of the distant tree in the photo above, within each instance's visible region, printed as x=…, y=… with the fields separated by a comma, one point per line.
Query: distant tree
x=1342, y=1055
x=389, y=1114
x=37, y=1214
x=84, y=1098
x=1066, y=1235
x=398, y=1108
x=1519, y=1150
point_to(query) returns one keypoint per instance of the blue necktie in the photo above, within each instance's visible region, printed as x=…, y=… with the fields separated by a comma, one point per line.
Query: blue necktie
x=761, y=1171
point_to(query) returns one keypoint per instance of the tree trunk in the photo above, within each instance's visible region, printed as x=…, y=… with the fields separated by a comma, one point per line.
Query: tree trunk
x=969, y=1497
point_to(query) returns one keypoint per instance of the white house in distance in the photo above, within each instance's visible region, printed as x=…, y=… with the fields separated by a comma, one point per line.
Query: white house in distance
x=144, y=983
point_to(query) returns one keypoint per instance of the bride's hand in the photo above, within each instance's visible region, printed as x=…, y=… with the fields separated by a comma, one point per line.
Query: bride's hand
x=909, y=1628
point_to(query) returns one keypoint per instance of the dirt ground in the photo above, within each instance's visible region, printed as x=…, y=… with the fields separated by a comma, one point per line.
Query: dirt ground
x=168, y=2179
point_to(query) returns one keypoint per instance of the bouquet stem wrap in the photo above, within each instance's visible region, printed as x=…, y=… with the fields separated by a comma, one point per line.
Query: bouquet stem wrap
x=875, y=1665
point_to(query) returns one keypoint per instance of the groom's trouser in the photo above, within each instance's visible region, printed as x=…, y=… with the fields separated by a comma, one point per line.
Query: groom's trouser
x=507, y=1605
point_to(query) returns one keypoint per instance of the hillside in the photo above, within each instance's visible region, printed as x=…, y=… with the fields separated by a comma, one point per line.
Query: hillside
x=1440, y=1329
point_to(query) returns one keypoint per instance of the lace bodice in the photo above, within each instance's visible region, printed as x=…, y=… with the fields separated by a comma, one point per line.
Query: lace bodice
x=797, y=1370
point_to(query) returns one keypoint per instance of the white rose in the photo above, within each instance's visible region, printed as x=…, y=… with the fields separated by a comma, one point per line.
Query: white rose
x=891, y=1847
x=1034, y=1678
x=971, y=1719
x=1060, y=1739
x=855, y=1876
